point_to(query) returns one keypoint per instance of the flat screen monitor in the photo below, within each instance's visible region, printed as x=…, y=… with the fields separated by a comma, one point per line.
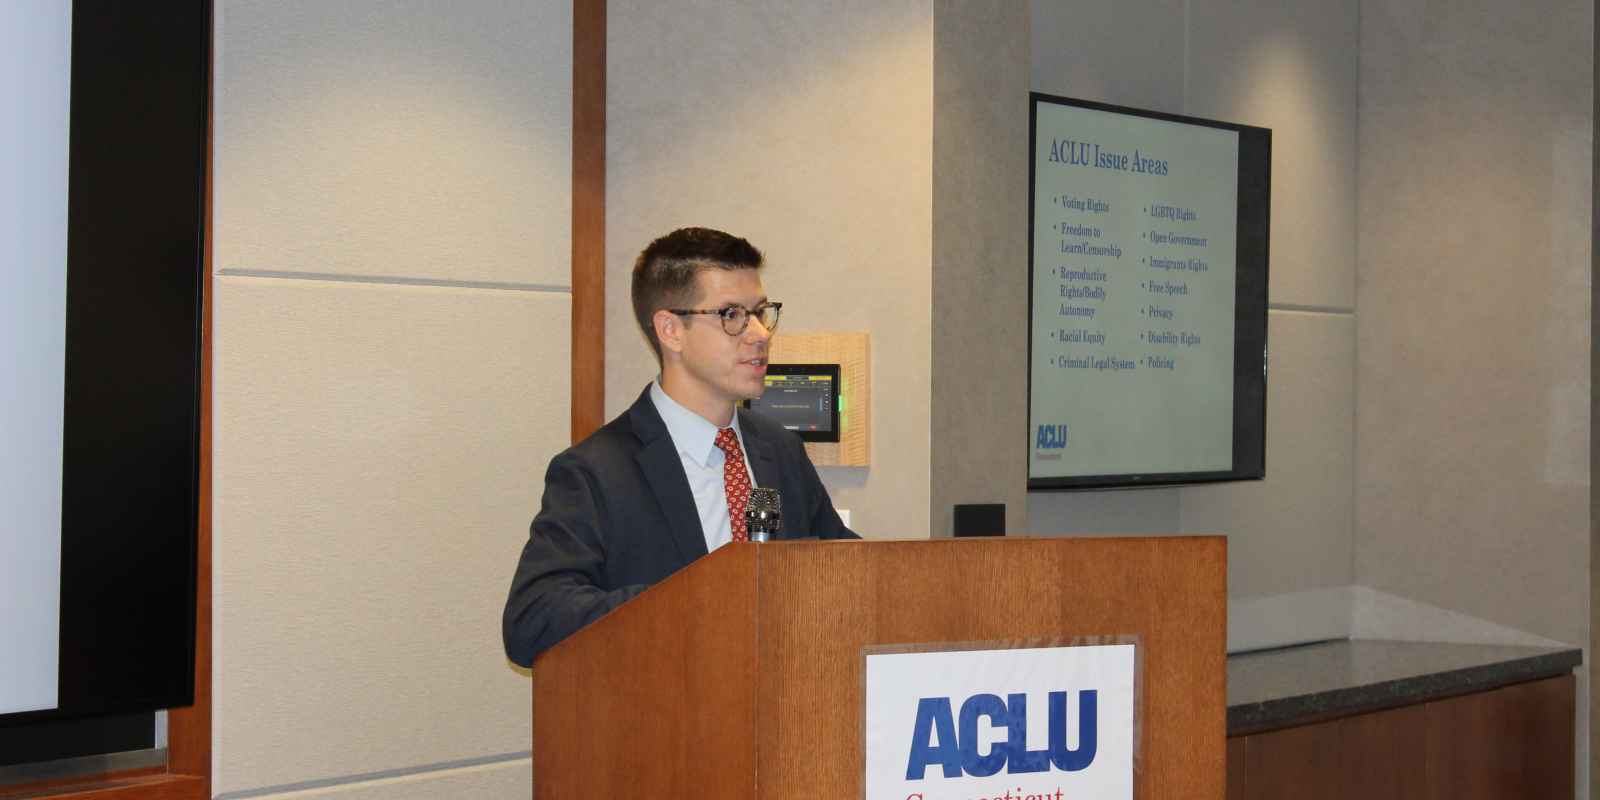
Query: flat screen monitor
x=1148, y=297
x=803, y=398
x=104, y=166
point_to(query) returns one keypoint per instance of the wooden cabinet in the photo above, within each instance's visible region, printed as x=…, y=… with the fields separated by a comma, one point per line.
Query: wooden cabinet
x=1511, y=742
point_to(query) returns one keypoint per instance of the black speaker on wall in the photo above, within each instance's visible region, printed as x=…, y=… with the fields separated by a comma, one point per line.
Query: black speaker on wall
x=980, y=519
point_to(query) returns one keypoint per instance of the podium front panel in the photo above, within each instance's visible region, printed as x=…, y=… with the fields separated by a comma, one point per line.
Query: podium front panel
x=823, y=603
x=743, y=675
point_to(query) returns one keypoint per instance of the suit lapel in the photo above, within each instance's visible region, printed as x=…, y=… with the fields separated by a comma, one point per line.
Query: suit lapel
x=663, y=469
x=764, y=463
x=763, y=459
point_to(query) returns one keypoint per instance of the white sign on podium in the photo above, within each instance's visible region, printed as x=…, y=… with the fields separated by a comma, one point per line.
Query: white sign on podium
x=1042, y=723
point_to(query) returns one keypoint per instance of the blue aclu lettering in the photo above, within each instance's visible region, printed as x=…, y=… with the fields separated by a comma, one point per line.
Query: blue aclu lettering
x=956, y=749
x=1050, y=437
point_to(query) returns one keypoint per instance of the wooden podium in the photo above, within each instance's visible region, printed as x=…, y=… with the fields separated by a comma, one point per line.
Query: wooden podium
x=741, y=676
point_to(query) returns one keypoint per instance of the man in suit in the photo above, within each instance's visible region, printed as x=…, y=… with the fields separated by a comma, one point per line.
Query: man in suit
x=666, y=482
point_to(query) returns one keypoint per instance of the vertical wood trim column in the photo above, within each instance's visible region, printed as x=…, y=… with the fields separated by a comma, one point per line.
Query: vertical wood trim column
x=588, y=216
x=187, y=775
x=189, y=729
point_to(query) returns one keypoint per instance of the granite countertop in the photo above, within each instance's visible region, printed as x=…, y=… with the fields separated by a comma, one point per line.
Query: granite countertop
x=1294, y=685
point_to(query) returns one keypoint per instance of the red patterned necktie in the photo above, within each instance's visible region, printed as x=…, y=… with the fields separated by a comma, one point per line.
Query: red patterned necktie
x=736, y=481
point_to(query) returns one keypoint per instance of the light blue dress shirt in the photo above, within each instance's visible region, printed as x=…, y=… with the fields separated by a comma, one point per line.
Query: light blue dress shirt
x=696, y=440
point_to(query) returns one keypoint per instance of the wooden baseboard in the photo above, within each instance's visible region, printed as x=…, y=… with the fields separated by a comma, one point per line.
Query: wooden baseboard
x=130, y=785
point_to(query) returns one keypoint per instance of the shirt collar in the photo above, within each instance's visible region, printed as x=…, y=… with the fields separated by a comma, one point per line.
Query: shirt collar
x=693, y=435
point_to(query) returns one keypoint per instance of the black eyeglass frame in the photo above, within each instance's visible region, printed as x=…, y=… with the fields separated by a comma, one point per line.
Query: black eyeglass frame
x=728, y=316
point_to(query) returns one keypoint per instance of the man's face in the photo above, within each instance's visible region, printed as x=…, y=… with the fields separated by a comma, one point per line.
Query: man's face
x=719, y=370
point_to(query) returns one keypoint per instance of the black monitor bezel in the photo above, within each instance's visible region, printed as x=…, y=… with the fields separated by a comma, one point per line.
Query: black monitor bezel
x=138, y=148
x=835, y=374
x=1250, y=306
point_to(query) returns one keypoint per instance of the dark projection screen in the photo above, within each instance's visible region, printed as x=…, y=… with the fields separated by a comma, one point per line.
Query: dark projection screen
x=131, y=422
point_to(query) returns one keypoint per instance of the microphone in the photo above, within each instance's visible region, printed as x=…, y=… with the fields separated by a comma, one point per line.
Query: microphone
x=763, y=516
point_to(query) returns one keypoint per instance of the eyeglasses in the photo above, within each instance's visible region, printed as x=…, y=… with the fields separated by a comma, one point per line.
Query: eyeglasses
x=735, y=318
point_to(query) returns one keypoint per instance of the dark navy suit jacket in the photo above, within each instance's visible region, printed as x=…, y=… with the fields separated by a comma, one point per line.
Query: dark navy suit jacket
x=618, y=516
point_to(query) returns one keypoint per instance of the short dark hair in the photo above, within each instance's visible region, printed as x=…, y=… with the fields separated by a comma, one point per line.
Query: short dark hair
x=664, y=274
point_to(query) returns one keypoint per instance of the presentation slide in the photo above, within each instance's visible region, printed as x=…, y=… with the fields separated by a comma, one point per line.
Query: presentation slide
x=35, y=74
x=1135, y=222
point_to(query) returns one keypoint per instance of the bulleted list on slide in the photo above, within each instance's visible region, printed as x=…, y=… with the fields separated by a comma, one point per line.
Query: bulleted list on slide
x=1135, y=228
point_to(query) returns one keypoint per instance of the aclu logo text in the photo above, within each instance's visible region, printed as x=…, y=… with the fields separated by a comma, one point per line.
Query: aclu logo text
x=1050, y=437
x=942, y=738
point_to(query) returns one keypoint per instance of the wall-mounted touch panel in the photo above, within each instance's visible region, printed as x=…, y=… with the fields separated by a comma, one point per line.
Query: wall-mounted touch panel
x=852, y=352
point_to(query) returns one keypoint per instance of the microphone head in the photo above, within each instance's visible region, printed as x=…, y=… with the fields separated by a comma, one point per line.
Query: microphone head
x=763, y=500
x=763, y=514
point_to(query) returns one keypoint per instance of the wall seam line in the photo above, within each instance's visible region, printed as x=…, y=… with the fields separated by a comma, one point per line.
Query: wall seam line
x=1355, y=343
x=385, y=280
x=365, y=777
x=1311, y=309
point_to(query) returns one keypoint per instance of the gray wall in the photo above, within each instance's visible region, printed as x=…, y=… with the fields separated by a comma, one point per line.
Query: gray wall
x=1472, y=414
x=1473, y=394
x=1289, y=67
x=1428, y=410
x=978, y=406
x=804, y=127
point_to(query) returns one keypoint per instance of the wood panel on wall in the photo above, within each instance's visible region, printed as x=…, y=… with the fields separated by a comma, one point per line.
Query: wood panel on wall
x=1507, y=743
x=189, y=729
x=853, y=353
x=1370, y=755
x=588, y=216
x=1513, y=742
x=1238, y=777
x=1297, y=757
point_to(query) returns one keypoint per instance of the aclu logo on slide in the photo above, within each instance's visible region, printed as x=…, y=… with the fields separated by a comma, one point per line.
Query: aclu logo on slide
x=941, y=738
x=1050, y=437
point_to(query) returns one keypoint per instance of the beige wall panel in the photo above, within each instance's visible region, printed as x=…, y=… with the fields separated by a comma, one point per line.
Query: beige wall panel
x=1278, y=620
x=1129, y=53
x=852, y=352
x=508, y=780
x=423, y=141
x=1472, y=423
x=1291, y=67
x=980, y=264
x=379, y=453
x=1119, y=513
x=804, y=127
x=1293, y=531
x=1380, y=615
